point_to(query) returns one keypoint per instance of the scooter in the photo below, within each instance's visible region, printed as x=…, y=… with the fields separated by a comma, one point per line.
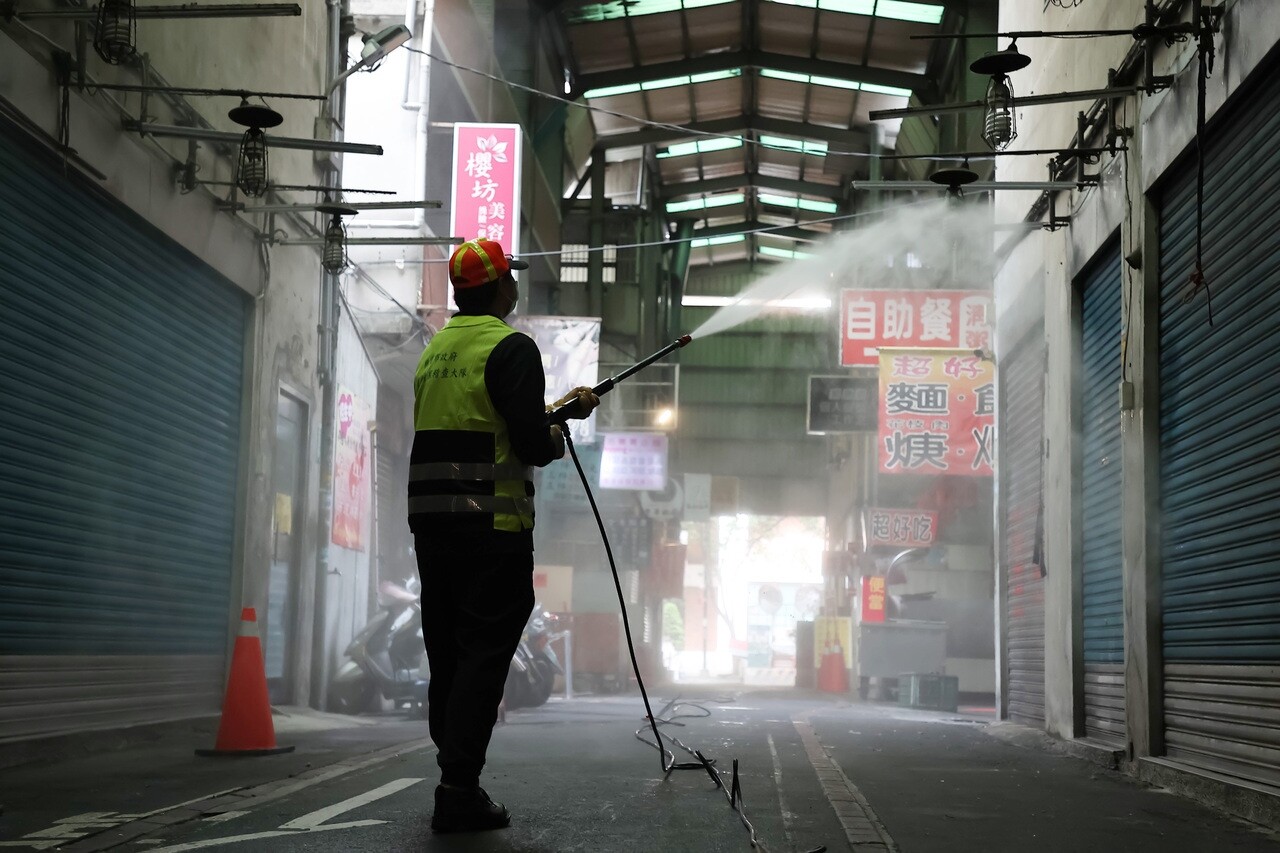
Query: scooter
x=535, y=665
x=387, y=657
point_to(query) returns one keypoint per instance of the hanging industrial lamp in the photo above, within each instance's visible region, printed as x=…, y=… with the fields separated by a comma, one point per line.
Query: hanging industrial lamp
x=334, y=256
x=115, y=35
x=1000, y=126
x=954, y=178
x=251, y=167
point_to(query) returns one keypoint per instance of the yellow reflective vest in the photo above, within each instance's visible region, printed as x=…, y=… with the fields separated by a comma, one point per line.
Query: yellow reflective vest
x=462, y=467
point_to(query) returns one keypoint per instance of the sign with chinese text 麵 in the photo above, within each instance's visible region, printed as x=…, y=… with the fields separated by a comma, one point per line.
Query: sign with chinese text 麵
x=903, y=528
x=634, y=460
x=351, y=483
x=486, y=183
x=937, y=413
x=872, y=597
x=841, y=404
x=943, y=319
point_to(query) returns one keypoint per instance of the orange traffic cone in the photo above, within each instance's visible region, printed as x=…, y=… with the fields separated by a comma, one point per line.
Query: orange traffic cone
x=246, y=727
x=832, y=677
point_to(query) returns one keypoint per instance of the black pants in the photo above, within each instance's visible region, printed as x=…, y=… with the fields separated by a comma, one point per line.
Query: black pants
x=474, y=609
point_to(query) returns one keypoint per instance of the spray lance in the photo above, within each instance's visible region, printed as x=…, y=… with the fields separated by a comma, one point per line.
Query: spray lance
x=573, y=409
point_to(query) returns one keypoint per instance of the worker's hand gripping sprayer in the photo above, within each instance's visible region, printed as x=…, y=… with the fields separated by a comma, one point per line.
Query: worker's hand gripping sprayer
x=575, y=409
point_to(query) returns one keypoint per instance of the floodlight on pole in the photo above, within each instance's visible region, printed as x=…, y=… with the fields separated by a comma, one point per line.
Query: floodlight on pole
x=376, y=48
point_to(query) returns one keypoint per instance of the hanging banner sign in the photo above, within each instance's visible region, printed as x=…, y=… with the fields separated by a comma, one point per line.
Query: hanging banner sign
x=570, y=348
x=904, y=528
x=351, y=483
x=485, y=201
x=937, y=413
x=946, y=319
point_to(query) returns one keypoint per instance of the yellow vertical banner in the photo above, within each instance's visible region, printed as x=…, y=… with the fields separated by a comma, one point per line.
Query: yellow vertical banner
x=832, y=634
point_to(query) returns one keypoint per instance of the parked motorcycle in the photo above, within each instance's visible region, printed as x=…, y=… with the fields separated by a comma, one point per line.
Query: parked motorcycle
x=535, y=665
x=387, y=657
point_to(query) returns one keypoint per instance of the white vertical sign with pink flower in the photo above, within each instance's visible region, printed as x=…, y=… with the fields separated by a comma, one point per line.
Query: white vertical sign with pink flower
x=486, y=183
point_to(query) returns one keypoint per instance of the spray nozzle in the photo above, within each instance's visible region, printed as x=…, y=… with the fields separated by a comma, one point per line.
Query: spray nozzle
x=574, y=408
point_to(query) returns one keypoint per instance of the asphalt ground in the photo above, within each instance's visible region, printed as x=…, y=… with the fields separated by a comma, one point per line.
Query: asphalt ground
x=813, y=771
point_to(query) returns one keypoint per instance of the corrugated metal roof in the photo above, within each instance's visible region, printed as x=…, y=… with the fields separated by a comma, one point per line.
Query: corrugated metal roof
x=793, y=79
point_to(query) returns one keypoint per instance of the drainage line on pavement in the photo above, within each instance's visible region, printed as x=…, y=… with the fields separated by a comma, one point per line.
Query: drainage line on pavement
x=666, y=756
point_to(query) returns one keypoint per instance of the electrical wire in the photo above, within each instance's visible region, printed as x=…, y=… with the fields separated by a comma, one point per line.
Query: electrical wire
x=672, y=241
x=667, y=760
x=661, y=125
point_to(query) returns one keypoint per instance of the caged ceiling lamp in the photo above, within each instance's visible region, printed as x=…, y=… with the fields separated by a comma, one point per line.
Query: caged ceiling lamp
x=1000, y=126
x=115, y=35
x=334, y=255
x=252, y=175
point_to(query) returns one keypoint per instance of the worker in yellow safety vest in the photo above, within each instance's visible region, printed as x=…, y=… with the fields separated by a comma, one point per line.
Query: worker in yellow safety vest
x=480, y=423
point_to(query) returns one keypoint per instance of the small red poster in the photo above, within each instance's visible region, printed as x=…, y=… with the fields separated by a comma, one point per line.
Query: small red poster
x=873, y=598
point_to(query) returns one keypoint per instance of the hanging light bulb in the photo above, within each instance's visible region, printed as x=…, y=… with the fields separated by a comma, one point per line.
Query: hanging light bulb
x=1000, y=126
x=334, y=255
x=115, y=35
x=252, y=176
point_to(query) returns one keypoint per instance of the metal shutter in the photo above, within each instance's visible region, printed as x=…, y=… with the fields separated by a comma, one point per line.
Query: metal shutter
x=1022, y=407
x=1102, y=577
x=1220, y=452
x=122, y=357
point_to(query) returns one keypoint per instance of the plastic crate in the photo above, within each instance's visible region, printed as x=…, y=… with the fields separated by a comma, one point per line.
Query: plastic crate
x=929, y=691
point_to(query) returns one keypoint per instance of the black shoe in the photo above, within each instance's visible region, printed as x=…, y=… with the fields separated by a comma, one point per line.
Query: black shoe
x=467, y=810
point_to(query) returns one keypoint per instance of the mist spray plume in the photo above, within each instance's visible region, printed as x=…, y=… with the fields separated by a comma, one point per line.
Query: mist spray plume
x=932, y=245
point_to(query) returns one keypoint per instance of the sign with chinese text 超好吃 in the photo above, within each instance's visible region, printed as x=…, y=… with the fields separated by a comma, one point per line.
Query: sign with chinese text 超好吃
x=944, y=319
x=937, y=413
x=902, y=528
x=873, y=598
x=634, y=460
x=841, y=404
x=486, y=183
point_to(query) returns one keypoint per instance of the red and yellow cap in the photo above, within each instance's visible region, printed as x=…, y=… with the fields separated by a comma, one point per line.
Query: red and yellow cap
x=480, y=261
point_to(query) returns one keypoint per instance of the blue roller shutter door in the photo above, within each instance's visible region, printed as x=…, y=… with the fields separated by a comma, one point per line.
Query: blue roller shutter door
x=1102, y=584
x=1022, y=437
x=122, y=371
x=1220, y=447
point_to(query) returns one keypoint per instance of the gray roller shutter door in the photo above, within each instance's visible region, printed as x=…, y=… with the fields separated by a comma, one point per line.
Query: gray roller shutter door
x=122, y=360
x=1022, y=405
x=1220, y=447
x=1102, y=581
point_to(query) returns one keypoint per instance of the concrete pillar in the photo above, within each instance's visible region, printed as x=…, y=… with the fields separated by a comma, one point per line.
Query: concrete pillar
x=595, y=240
x=1140, y=495
x=1062, y=615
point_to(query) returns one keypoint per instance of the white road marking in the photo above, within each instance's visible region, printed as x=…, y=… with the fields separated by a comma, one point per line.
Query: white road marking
x=308, y=823
x=782, y=802
x=219, y=818
x=319, y=816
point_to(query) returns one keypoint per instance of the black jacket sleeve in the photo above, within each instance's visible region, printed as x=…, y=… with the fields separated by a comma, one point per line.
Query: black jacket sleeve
x=516, y=383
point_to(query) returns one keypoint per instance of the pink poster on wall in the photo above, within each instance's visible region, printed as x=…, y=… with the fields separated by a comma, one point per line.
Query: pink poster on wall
x=486, y=183
x=351, y=475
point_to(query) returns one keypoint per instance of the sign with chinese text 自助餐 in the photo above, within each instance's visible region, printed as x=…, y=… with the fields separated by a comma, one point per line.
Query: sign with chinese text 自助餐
x=945, y=319
x=486, y=183
x=937, y=413
x=634, y=460
x=873, y=598
x=841, y=404
x=903, y=528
